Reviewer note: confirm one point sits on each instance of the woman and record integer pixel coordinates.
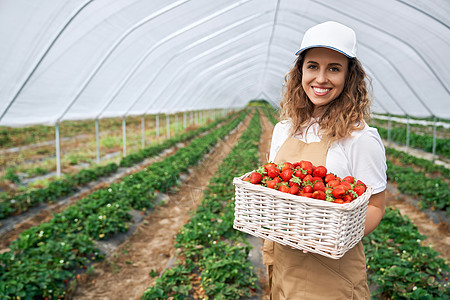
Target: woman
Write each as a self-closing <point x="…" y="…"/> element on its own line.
<point x="324" y="106"/>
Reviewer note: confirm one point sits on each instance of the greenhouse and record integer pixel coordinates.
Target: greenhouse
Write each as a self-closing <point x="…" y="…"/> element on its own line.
<point x="129" y="128"/>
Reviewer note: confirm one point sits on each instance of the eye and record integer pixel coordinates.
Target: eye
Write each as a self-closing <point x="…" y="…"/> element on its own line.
<point x="334" y="69"/>
<point x="312" y="67"/>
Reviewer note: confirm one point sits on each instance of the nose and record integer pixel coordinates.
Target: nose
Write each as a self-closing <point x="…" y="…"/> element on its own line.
<point x="322" y="77"/>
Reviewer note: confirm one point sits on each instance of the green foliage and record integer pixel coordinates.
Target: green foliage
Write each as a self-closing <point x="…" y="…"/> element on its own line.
<point x="433" y="192"/>
<point x="11" y="175"/>
<point x="399" y="265"/>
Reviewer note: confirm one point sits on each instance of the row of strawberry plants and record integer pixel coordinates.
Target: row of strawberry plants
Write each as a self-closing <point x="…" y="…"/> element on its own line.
<point x="210" y="249"/>
<point x="69" y="184"/>
<point x="433" y="193"/>
<point x="419" y="141"/>
<point x="399" y="266"/>
<point x="420" y="163"/>
<point x="43" y="260"/>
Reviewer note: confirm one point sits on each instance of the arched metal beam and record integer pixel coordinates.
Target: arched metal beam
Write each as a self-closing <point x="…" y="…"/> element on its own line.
<point x="44" y="55"/>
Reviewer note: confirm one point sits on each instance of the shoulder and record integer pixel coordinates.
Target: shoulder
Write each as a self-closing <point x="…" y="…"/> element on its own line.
<point x="281" y="131"/>
<point x="283" y="126"/>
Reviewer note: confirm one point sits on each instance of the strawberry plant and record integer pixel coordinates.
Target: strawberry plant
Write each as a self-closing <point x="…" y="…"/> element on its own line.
<point x="399" y="265"/>
<point x="433" y="192"/>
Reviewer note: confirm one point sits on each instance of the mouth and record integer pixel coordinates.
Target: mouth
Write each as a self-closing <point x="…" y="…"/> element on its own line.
<point x="320" y="91"/>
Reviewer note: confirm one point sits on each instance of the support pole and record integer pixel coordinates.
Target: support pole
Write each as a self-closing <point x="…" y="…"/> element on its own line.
<point x="143" y="131"/>
<point x="168" y="126"/>
<point x="434" y="135"/>
<point x="192" y="118"/>
<point x="184" y="120"/>
<point x="389" y="128"/>
<point x="58" y="151"/>
<point x="97" y="141"/>
<point x="157" y="125"/>
<point x="407" y="132"/>
<point x="124" y="136"/>
<point x="177" y="125"/>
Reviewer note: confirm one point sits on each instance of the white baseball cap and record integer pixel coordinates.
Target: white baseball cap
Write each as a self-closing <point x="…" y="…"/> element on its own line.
<point x="332" y="35"/>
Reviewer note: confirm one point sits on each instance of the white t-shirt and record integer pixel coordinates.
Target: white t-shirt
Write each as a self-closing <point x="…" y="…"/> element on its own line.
<point x="362" y="155"/>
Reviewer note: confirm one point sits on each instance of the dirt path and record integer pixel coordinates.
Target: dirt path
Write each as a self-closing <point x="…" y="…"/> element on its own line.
<point x="438" y="235"/>
<point x="125" y="274"/>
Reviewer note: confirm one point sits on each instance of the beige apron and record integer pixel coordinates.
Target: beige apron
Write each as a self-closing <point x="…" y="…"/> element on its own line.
<point x="297" y="275"/>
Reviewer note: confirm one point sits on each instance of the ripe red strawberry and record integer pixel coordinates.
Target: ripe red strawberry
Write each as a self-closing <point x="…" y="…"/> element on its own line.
<point x="273" y="171"/>
<point x="319" y="186"/>
<point x="319" y="195"/>
<point x="338" y="191"/>
<point x="291" y="183"/>
<point x="286" y="166"/>
<point x="268" y="165"/>
<point x="329" y="177"/>
<point x="277" y="179"/>
<point x="271" y="184"/>
<point x="320" y="171"/>
<point x="283" y="188"/>
<point x="346" y="185"/>
<point x="359" y="190"/>
<point x="309" y="195"/>
<point x="315" y="179"/>
<point x="340" y="201"/>
<point x="246" y="179"/>
<point x="255" y="177"/>
<point x="359" y="182"/>
<point x="307" y="189"/>
<point x="333" y="183"/>
<point x="307" y="166"/>
<point x="308" y="178"/>
<point x="299" y="173"/>
<point x="294" y="190"/>
<point x="286" y="175"/>
<point x="349" y="179"/>
<point x="347" y="198"/>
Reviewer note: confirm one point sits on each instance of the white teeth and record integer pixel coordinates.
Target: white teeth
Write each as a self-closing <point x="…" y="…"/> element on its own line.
<point x="320" y="90"/>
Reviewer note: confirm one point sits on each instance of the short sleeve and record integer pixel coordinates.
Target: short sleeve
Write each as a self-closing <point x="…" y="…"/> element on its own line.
<point x="367" y="159"/>
<point x="279" y="135"/>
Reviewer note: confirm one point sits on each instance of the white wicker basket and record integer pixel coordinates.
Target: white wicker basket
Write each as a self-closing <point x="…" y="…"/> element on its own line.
<point x="317" y="226"/>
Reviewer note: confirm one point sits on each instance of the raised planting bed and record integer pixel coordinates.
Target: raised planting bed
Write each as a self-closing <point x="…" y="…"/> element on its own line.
<point x="44" y="260"/>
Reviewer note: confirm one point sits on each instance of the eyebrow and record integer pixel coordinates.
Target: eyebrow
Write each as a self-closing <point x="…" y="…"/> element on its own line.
<point x="332" y="64"/>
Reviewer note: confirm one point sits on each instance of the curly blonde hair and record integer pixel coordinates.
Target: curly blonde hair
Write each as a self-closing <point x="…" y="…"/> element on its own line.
<point x="342" y="116"/>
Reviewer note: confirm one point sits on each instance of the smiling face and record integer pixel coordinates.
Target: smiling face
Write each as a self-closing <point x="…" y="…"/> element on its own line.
<point x="323" y="75"/>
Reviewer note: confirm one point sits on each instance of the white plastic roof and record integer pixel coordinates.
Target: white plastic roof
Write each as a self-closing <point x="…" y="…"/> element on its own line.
<point x="79" y="59"/>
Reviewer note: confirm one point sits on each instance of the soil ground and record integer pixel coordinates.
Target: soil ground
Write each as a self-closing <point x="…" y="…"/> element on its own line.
<point x="125" y="274"/>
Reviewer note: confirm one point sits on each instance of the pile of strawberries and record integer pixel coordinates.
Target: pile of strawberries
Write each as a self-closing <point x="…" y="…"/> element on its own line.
<point x="304" y="179"/>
